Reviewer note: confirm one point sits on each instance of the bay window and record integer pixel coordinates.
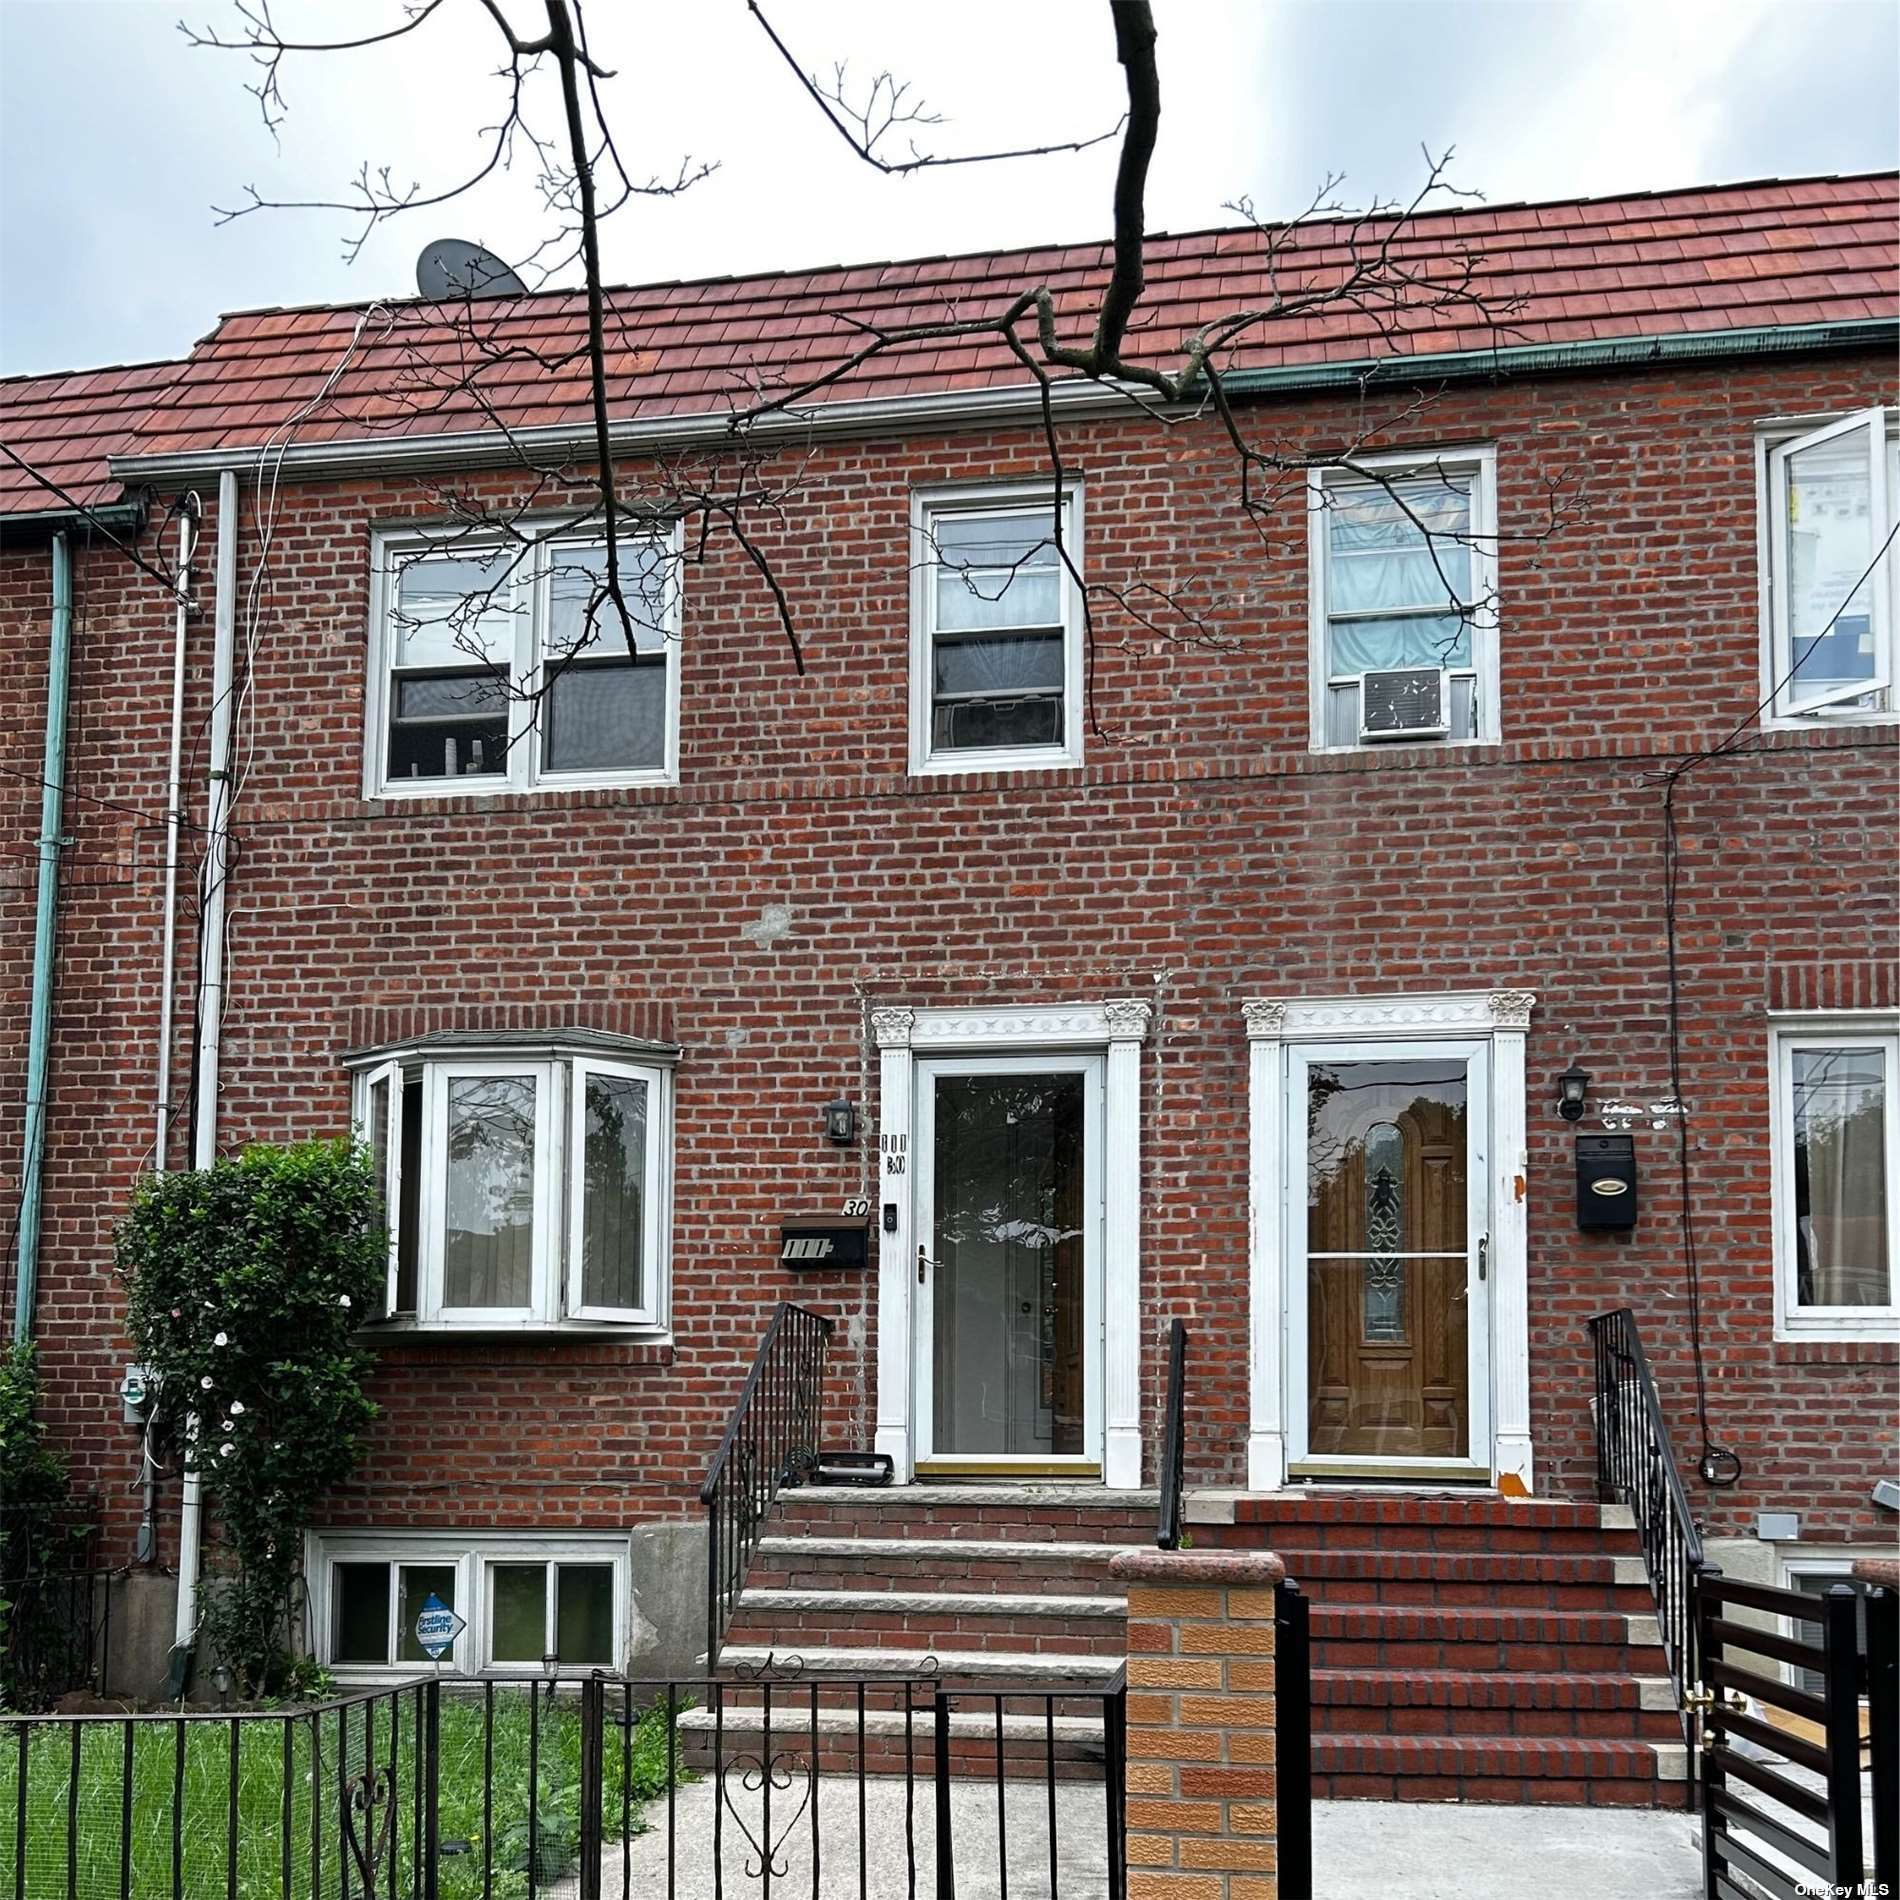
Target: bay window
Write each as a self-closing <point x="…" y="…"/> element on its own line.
<point x="1831" y="585"/>
<point x="508" y="667"/>
<point x="525" y="1185"/>
<point x="1836" y="1174"/>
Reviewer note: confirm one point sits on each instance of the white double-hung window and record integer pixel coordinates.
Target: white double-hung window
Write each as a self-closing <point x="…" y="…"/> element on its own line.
<point x="1402" y="555"/>
<point x="996" y="630"/>
<point x="509" y="667"/>
<point x="1830" y="579"/>
<point x="1836" y="1176"/>
<point x="526" y="1185"/>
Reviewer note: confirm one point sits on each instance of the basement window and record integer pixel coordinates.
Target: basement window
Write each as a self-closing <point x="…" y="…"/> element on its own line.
<point x="996" y="619"/>
<point x="1403" y="581"/>
<point x="1830" y="581"/>
<point x="527" y="1185"/>
<point x="1835" y="1174"/>
<point x="523" y="1598"/>
<point x="505" y="668"/>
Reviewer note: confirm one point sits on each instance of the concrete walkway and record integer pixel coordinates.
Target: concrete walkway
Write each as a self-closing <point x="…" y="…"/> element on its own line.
<point x="1362" y="1850"/>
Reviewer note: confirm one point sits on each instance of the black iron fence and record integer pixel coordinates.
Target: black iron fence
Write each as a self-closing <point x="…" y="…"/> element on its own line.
<point x="454" y="1790"/>
<point x="1794" y="1804"/>
<point x="55" y="1607"/>
<point x="1293" y="1740"/>
<point x="1173" y="1440"/>
<point x="1636" y="1465"/>
<point x="771" y="1440"/>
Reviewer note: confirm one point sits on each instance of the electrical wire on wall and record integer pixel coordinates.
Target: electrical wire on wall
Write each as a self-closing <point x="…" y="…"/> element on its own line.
<point x="1718" y="1465"/>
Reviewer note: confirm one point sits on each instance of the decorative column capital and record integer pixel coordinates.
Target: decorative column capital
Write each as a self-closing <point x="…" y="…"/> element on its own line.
<point x="891" y="1027"/>
<point x="1265" y="1017"/>
<point x="1511" y="1009"/>
<point x="1128" y="1018"/>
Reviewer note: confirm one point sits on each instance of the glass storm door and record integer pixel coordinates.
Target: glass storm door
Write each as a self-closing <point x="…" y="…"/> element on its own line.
<point x="1388" y="1327"/>
<point x="1008" y="1294"/>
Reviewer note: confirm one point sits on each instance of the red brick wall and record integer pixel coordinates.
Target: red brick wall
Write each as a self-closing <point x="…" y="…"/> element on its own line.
<point x="1201" y="856"/>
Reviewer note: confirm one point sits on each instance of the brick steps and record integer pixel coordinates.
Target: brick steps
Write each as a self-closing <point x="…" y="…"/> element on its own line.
<point x="1469" y="1579"/>
<point x="1357" y="1636"/>
<point x="966" y="1565"/>
<point x="1455" y="1702"/>
<point x="1567" y="1773"/>
<point x="1465" y="1646"/>
<point x="933" y="1620"/>
<point x="1289" y="1522"/>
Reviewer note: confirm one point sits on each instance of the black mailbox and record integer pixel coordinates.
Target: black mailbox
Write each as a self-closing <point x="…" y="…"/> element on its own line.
<point x="1606" y="1181"/>
<point x="823" y="1241"/>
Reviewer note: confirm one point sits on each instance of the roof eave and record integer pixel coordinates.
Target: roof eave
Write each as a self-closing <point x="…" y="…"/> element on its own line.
<point x="42" y="524"/>
<point x="979" y="408"/>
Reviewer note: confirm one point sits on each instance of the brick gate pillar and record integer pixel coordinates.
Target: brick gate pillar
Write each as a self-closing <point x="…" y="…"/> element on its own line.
<point x="1201" y="1788"/>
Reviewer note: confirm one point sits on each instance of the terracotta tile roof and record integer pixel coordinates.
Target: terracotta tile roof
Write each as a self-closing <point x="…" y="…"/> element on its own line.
<point x="1734" y="257"/>
<point x="65" y="426"/>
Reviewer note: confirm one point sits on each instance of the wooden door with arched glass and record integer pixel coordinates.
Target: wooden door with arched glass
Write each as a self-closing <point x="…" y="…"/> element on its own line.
<point x="1386" y="1216"/>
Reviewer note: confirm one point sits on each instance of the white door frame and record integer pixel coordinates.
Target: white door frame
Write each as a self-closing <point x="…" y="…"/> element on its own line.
<point x="1116" y="1029"/>
<point x="1474" y="1055"/>
<point x="1499" y="1018"/>
<point x="1089" y="1065"/>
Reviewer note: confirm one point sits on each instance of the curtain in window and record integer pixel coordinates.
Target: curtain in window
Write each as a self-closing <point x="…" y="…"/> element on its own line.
<point x="1386" y="556"/>
<point x="996" y="571"/>
<point x="1840" y="1177"/>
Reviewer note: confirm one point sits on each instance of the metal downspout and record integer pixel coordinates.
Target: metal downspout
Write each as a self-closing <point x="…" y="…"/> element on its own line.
<point x="210" y="1010"/>
<point x="45" y="937"/>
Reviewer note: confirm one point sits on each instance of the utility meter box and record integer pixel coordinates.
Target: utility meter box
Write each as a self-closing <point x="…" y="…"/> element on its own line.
<point x="1606" y="1181"/>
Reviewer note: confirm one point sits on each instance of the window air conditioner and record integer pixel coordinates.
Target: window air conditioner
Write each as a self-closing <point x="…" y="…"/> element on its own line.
<point x="1411" y="702"/>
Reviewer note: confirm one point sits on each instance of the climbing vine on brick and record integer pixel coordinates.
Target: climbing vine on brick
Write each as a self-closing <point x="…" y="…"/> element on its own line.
<point x="247" y="1283"/>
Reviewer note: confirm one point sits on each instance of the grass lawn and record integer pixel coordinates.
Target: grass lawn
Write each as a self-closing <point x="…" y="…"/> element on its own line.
<point x="269" y="1773"/>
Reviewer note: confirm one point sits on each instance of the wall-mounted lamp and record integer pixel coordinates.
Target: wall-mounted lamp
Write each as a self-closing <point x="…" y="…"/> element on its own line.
<point x="1572" y="1086"/>
<point x="841" y="1122"/>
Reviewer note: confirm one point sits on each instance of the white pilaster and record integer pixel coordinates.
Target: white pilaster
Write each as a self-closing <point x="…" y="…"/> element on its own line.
<point x="1266" y="1231"/>
<point x="1510" y="1248"/>
<point x="896" y="1106"/>
<point x="1121" y="1243"/>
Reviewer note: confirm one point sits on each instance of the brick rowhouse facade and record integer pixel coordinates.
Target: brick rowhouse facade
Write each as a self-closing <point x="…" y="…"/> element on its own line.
<point x="799" y="876"/>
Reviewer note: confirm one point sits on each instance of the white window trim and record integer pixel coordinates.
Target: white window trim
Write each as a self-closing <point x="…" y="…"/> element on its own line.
<point x="1481" y="460"/>
<point x="926" y="503"/>
<point x="1770" y="436"/>
<point x="471" y="1552"/>
<point x="1117" y="1027"/>
<point x="1837" y="1029"/>
<point x="559" y="1070"/>
<point x="524" y="773"/>
<point x="659" y="1144"/>
<point x="1501" y="1017"/>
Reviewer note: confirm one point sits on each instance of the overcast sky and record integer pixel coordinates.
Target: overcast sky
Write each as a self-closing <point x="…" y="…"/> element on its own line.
<point x="117" y="138"/>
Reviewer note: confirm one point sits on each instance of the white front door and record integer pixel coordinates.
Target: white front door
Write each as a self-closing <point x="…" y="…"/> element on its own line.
<point x="1387" y="1208"/>
<point x="1007" y="1252"/>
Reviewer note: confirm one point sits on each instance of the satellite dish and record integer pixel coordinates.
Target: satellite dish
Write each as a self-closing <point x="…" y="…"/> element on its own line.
<point x="453" y="267"/>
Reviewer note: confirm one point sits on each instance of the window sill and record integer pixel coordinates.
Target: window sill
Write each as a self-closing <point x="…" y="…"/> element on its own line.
<point x="642" y="1345"/>
<point x="1809" y="722"/>
<point x="1003" y="759"/>
<point x="425" y="791"/>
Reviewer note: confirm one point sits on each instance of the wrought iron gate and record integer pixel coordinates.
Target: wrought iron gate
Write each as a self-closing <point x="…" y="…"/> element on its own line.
<point x="1790" y="1794"/>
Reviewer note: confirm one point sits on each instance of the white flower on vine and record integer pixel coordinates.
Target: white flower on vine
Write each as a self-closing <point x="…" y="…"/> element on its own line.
<point x="222" y="1339"/>
<point x="224" y="1451"/>
<point x="228" y="1426"/>
<point x="343" y="1299"/>
<point x="237" y="1408"/>
<point x="204" y="1384"/>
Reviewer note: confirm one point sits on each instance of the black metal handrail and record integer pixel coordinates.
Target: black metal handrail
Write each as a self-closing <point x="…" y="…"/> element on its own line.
<point x="771" y="1440"/>
<point x="1168" y="1527"/>
<point x="1636" y="1465"/>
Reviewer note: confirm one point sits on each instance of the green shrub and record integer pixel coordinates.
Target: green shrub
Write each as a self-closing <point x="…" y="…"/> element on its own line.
<point x="37" y="1532"/>
<point x="246" y="1283"/>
